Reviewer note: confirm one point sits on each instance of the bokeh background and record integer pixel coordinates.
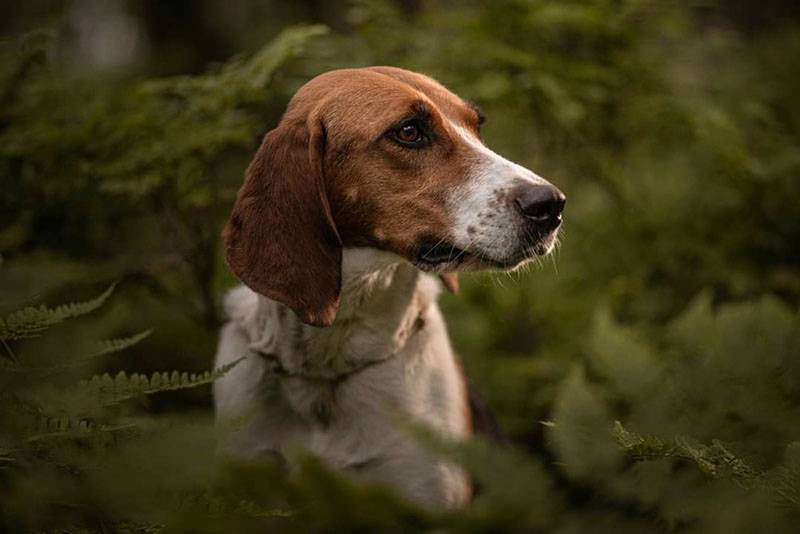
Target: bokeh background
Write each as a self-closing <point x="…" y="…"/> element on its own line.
<point x="671" y="306"/>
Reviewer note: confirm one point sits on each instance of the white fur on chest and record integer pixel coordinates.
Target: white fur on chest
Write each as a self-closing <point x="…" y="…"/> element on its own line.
<point x="337" y="392"/>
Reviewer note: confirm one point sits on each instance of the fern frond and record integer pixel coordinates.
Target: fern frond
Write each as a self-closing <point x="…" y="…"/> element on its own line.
<point x="120" y="527"/>
<point x="215" y="506"/>
<point x="786" y="479"/>
<point x="105" y="347"/>
<point x="45" y="429"/>
<point x="100" y="348"/>
<point x="289" y="43"/>
<point x="640" y="447"/>
<point x="248" y="74"/>
<point x="713" y="460"/>
<point x="110" y="346"/>
<point x="66" y="427"/>
<point x="108" y="390"/>
<point x="31" y="321"/>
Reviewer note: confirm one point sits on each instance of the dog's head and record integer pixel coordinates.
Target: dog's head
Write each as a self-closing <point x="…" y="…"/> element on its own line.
<point x="385" y="158"/>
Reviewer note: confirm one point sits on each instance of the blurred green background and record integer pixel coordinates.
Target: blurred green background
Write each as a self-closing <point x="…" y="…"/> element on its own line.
<point x="671" y="306"/>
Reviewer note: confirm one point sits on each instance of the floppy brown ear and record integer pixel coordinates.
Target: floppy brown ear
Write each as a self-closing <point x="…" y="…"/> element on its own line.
<point x="281" y="240"/>
<point x="450" y="281"/>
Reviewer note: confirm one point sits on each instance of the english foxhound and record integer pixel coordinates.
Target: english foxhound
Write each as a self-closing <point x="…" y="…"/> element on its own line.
<point x="373" y="180"/>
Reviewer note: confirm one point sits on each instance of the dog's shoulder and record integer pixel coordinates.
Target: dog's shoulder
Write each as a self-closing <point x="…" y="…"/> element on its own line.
<point x="241" y="305"/>
<point x="256" y="317"/>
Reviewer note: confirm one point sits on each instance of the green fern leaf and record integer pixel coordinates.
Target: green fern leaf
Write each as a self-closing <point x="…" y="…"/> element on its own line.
<point x="33" y="320"/>
<point x="108" y="390"/>
<point x="41" y="429"/>
<point x="715" y="460"/>
<point x="785" y="480"/>
<point x="101" y="348"/>
<point x="66" y="428"/>
<point x="289" y="43"/>
<point x="110" y="346"/>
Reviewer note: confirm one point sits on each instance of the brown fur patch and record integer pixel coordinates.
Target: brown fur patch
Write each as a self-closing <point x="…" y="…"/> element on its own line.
<point x="328" y="176"/>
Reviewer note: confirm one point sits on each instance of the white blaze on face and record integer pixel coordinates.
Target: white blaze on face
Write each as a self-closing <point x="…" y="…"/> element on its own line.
<point x="486" y="220"/>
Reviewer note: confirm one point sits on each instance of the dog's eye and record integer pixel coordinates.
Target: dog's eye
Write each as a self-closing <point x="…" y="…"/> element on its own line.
<point x="410" y="134"/>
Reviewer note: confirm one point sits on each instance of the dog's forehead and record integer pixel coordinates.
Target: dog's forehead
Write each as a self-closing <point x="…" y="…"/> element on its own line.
<point x="445" y="99"/>
<point x="377" y="91"/>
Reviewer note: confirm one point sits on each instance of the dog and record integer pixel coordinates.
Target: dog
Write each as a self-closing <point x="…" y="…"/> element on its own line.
<point x="374" y="181"/>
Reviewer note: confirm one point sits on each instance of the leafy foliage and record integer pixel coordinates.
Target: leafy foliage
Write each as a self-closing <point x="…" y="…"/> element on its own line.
<point x="716" y="461"/>
<point x="672" y="307"/>
<point x="107" y="390"/>
<point x="153" y="155"/>
<point x="49" y="429"/>
<point x="713" y="460"/>
<point x="704" y="375"/>
<point x="31" y="321"/>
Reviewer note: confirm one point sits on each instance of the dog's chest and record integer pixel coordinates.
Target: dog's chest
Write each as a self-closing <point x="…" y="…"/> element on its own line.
<point x="342" y="392"/>
<point x="356" y="422"/>
<point x="326" y="374"/>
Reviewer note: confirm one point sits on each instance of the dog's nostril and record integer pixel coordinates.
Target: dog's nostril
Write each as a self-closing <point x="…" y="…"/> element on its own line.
<point x="541" y="204"/>
<point x="540" y="211"/>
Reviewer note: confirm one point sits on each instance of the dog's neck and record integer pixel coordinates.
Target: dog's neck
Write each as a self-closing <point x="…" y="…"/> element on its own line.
<point x="372" y="280"/>
<point x="382" y="301"/>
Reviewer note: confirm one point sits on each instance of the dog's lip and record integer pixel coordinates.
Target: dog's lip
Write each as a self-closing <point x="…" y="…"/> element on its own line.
<point x="432" y="254"/>
<point x="435" y="255"/>
<point x="439" y="252"/>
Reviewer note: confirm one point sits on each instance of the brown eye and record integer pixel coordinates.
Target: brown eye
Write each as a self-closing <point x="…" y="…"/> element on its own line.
<point x="410" y="135"/>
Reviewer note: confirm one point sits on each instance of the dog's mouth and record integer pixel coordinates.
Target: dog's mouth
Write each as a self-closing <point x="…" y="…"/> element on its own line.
<point x="441" y="255"/>
<point x="435" y="254"/>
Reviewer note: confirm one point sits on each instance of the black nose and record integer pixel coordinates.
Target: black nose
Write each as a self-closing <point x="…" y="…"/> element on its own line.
<point x="541" y="204"/>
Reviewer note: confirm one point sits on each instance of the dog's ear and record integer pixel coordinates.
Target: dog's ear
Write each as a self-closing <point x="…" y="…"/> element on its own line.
<point x="281" y="240"/>
<point x="450" y="281"/>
